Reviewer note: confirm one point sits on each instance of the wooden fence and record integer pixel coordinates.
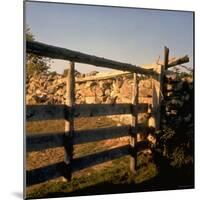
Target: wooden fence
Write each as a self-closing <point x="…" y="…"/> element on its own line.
<point x="70" y="111"/>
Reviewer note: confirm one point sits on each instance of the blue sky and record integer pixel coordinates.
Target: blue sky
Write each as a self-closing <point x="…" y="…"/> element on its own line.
<point x="136" y="36"/>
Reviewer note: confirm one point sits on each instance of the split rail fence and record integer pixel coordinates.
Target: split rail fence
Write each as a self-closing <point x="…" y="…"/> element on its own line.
<point x="69" y="111"/>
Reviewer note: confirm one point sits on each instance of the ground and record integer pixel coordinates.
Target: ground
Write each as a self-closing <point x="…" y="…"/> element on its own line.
<point x="114" y="174"/>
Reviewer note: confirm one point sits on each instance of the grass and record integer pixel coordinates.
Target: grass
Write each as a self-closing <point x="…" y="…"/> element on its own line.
<point x="117" y="172"/>
<point x="113" y="173"/>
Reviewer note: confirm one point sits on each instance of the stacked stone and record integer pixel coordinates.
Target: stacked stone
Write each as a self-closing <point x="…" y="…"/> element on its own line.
<point x="178" y="105"/>
<point x="51" y="89"/>
<point x="45" y="89"/>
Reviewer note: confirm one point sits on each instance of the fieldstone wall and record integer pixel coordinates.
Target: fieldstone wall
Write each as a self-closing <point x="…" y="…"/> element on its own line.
<point x="178" y="103"/>
<point x="51" y="89"/>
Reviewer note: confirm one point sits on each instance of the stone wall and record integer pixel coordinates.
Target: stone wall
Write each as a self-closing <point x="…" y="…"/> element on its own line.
<point x="178" y="103"/>
<point x="51" y="89"/>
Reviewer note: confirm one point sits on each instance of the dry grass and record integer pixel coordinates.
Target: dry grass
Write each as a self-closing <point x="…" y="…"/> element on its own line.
<point x="111" y="171"/>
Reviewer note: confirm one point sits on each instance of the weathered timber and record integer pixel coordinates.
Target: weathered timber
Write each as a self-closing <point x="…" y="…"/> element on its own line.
<point x="94" y="135"/>
<point x="53" y="112"/>
<point x="43" y="174"/>
<point x="179" y="61"/>
<point x="91" y="110"/>
<point x="156" y="98"/>
<point x="38" y="142"/>
<point x="45" y="50"/>
<point x="166" y="57"/>
<point x="97" y="78"/>
<point x="46" y="112"/>
<point x="133" y="137"/>
<point x="97" y="158"/>
<point x="69" y="124"/>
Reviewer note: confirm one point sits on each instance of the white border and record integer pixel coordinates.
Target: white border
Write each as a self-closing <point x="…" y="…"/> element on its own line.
<point x="11" y="97"/>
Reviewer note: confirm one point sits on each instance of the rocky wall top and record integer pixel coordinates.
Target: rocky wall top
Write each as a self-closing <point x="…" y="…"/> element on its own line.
<point x="51" y="89"/>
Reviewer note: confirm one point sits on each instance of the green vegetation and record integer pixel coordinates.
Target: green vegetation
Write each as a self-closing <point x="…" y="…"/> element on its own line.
<point x="116" y="172"/>
<point x="35" y="64"/>
<point x="177" y="135"/>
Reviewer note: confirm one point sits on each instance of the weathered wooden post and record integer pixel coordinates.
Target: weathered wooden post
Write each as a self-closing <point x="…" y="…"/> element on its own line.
<point x="69" y="122"/>
<point x="166" y="57"/>
<point x="133" y="138"/>
<point x="156" y="97"/>
<point x="166" y="61"/>
<point x="157" y="88"/>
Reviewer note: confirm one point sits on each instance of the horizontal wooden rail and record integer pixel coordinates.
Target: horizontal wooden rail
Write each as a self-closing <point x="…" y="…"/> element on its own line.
<point x="46" y="173"/>
<point x="46" y="112"/>
<point x="141" y="127"/>
<point x="38" y="142"/>
<point x="99" y="134"/>
<point x="52" y="112"/>
<point x="102" y="77"/>
<point x="56" y="170"/>
<point x="178" y="61"/>
<point x="42" y="49"/>
<point x="97" y="158"/>
<point x="91" y="110"/>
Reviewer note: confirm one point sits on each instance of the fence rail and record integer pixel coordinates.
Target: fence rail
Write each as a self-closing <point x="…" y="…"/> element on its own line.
<point x="102" y="77"/>
<point x="56" y="170"/>
<point x="45" y="173"/>
<point x="53" y="112"/>
<point x="100" y="157"/>
<point x="69" y="137"/>
<point x="74" y="56"/>
<point x="46" y="112"/>
<point x="38" y="142"/>
<point x="94" y="135"/>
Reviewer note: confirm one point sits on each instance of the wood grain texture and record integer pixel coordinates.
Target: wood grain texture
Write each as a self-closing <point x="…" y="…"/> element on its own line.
<point x="104" y="77"/>
<point x="69" y="123"/>
<point x="156" y="97"/>
<point x="179" y="61"/>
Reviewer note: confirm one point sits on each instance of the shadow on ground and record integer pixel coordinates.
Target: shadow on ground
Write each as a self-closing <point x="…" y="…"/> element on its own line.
<point x="168" y="178"/>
